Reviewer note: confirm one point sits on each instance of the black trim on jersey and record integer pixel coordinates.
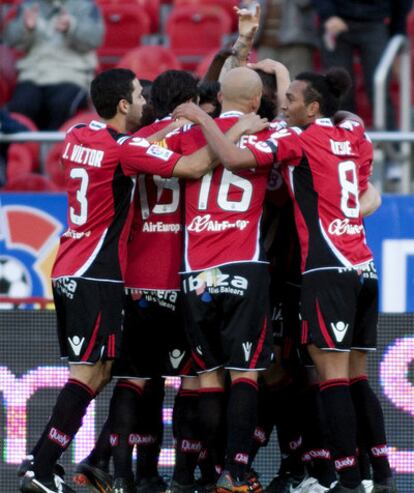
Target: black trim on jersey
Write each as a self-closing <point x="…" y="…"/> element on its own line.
<point x="116" y="135"/>
<point x="319" y="253"/>
<point x="122" y="186"/>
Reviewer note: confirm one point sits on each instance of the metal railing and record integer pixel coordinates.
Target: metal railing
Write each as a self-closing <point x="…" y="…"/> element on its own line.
<point x="378" y="137"/>
<point x="398" y="45"/>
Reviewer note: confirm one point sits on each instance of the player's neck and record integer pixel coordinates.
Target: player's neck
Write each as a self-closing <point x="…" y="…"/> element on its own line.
<point x="118" y="123"/>
<point x="233" y="107"/>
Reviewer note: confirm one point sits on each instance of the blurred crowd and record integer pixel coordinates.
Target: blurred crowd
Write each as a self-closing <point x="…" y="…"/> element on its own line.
<point x="51" y="50"/>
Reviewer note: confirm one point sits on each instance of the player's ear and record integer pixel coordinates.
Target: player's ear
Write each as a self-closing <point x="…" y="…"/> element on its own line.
<point x="220" y="97"/>
<point x="123" y="106"/>
<point x="313" y="109"/>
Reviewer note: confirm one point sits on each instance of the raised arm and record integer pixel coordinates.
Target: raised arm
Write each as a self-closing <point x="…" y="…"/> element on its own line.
<point x="247" y="27"/>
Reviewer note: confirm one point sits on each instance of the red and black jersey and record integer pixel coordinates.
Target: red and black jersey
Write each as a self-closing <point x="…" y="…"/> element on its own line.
<point x="223" y="209"/>
<point x="321" y="165"/>
<point x="99" y="164"/>
<point x="155" y="242"/>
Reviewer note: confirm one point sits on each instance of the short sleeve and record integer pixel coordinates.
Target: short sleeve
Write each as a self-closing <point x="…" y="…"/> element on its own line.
<point x="365" y="163"/>
<point x="137" y="155"/>
<point x="282" y="147"/>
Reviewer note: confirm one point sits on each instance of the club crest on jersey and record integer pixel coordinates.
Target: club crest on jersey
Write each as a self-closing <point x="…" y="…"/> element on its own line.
<point x="215" y="282"/>
<point x="339" y="329"/>
<point x="204" y="223"/>
<point x="159" y="152"/>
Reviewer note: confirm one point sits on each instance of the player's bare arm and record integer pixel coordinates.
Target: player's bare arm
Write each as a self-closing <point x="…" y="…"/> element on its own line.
<point x="369" y="201"/>
<point x="230" y="156"/>
<point x="204" y="160"/>
<point x="280" y="72"/>
<point x="248" y="25"/>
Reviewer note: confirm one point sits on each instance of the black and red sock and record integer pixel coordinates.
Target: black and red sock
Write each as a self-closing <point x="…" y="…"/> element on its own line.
<point x="70" y="408"/>
<point x="340" y="415"/>
<point x="370" y="420"/>
<point x="124" y="412"/>
<point x="241" y="423"/>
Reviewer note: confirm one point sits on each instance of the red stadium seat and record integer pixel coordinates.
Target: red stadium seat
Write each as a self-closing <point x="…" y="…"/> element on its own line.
<point x="32" y="147"/>
<point x="125" y="26"/>
<point x="194" y="31"/>
<point x="227" y="5"/>
<point x="53" y="166"/>
<point x="149" y="61"/>
<point x="30" y="182"/>
<point x="19" y="162"/>
<point x="152" y="7"/>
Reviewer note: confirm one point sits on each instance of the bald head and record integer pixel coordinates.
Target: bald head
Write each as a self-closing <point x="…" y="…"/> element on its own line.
<point x="241" y="86"/>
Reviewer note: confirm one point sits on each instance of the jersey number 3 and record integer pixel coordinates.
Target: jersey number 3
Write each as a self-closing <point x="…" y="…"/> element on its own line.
<point x="81" y="217"/>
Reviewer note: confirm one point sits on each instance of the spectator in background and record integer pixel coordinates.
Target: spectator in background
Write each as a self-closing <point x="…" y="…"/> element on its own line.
<point x="362" y="25"/>
<point x="287" y="32"/>
<point x="58" y="38"/>
<point x="8" y="125"/>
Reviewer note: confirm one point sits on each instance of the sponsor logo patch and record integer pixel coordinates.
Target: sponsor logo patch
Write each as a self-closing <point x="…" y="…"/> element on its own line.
<point x="59" y="437"/>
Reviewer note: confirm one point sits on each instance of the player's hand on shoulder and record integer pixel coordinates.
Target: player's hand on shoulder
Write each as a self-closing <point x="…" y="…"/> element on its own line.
<point x="251" y="123"/>
<point x="190" y="112"/>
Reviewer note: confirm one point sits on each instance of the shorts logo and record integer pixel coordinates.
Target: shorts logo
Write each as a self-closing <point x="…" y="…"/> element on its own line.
<point x="66" y="286"/>
<point x="215" y="282"/>
<point x="277" y="313"/>
<point x="247" y="348"/>
<point x="114" y="439"/>
<point x="58" y="437"/>
<point x="199" y="350"/>
<point x="176" y="356"/>
<point x="339" y="330"/>
<point x="76" y="344"/>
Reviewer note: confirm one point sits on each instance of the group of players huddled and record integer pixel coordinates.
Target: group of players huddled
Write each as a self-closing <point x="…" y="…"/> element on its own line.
<point x="230" y="252"/>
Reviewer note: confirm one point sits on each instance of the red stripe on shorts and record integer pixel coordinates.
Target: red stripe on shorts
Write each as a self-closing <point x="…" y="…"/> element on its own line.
<point x="91" y="344"/>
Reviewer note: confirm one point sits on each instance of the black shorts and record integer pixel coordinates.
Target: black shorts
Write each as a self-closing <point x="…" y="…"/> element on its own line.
<point x="227" y="317"/>
<point x="340" y="309"/>
<point x="154" y="342"/>
<point x="89" y="318"/>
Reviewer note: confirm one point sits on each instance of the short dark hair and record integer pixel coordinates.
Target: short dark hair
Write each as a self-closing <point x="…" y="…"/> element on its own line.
<point x="109" y="87"/>
<point x="208" y="91"/>
<point x="269" y="103"/>
<point x="170" y="89"/>
<point x="328" y="90"/>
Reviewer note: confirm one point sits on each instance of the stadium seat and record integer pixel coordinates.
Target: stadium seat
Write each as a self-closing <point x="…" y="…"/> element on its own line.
<point x="227" y="5"/>
<point x="53" y="166"/>
<point x="19" y="162"/>
<point x="152" y="7"/>
<point x="30" y="182"/>
<point x="8" y="73"/>
<point x="124" y="28"/>
<point x="32" y="147"/>
<point x="194" y="31"/>
<point x="149" y="61"/>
